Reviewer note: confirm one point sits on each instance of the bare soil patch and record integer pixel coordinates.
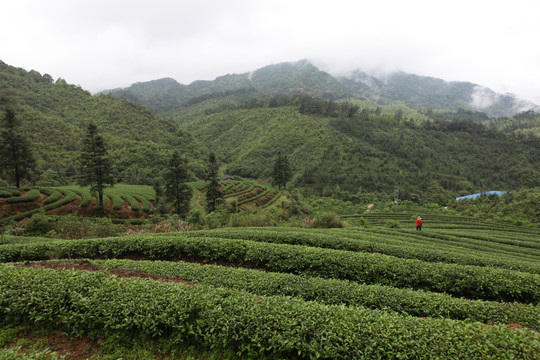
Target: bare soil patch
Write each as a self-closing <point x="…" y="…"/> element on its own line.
<point x="118" y="272"/>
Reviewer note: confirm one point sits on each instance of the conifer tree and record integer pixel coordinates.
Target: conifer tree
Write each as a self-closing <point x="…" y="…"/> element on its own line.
<point x="96" y="169"/>
<point x="176" y="190"/>
<point x="281" y="173"/>
<point x="16" y="158"/>
<point x="213" y="195"/>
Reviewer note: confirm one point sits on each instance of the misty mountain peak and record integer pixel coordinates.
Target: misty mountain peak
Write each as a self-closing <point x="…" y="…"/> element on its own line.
<point x="302" y="77"/>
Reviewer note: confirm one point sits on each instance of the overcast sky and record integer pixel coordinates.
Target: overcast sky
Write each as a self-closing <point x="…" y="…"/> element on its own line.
<point x="107" y="44"/>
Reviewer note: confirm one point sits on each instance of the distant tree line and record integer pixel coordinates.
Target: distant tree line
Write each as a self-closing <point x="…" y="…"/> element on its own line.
<point x="460" y="114"/>
<point x="311" y="105"/>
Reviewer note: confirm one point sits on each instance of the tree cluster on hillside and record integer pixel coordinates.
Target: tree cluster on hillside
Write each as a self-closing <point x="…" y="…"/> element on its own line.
<point x="311" y="105"/>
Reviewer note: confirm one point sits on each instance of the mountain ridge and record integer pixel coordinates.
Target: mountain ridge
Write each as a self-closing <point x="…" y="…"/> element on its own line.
<point x="302" y="77"/>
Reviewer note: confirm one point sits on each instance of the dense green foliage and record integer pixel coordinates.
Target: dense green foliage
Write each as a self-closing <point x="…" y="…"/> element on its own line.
<point x="213" y="194"/>
<point x="527" y="122"/>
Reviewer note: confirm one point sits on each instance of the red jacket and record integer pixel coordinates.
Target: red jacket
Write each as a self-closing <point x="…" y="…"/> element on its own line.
<point x="418" y="222"/>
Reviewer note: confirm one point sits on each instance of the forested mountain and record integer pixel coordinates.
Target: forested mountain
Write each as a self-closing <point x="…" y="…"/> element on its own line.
<point x="288" y="78"/>
<point x="54" y="115"/>
<point x="417" y="92"/>
<point x="356" y="147"/>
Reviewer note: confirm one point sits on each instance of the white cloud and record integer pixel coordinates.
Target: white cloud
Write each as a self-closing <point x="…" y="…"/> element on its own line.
<point x="483" y="98"/>
<point x="103" y="44"/>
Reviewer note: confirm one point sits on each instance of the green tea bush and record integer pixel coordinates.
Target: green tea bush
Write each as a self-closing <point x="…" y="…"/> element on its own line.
<point x="30" y="196"/>
<point x="432" y="246"/>
<point x="328" y="220"/>
<point x="273" y="200"/>
<point x="258" y="196"/>
<point x="249" y="326"/>
<point x="39" y="225"/>
<point x="392" y="224"/>
<point x="53" y="195"/>
<point x="146" y="206"/>
<point x="133" y="203"/>
<point x="116" y="199"/>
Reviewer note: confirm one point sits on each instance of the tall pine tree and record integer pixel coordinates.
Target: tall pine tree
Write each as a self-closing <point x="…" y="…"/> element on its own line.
<point x="176" y="190"/>
<point x="16" y="159"/>
<point x="96" y="169"/>
<point x="281" y="173"/>
<point x="213" y="195"/>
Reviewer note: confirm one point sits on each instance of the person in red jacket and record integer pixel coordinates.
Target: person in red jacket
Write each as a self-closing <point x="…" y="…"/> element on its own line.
<point x="419" y="223"/>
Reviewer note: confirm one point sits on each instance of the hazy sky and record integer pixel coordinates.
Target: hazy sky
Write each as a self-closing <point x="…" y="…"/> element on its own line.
<point x="107" y="44"/>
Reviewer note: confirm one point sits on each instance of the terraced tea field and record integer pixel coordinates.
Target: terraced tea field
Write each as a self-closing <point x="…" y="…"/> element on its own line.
<point x="456" y="290"/>
<point x="123" y="203"/>
<point x="246" y="194"/>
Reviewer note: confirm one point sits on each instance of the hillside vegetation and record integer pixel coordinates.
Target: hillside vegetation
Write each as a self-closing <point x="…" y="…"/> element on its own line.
<point x="54" y="115"/>
<point x="337" y="147"/>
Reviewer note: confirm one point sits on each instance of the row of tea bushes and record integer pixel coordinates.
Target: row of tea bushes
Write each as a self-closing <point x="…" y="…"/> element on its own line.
<point x="335" y="292"/>
<point x="472" y="282"/>
<point x="241" y="324"/>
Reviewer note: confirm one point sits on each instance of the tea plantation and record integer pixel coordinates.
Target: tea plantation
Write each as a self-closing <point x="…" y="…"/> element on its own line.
<point x="458" y="289"/>
<point x="123" y="203"/>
